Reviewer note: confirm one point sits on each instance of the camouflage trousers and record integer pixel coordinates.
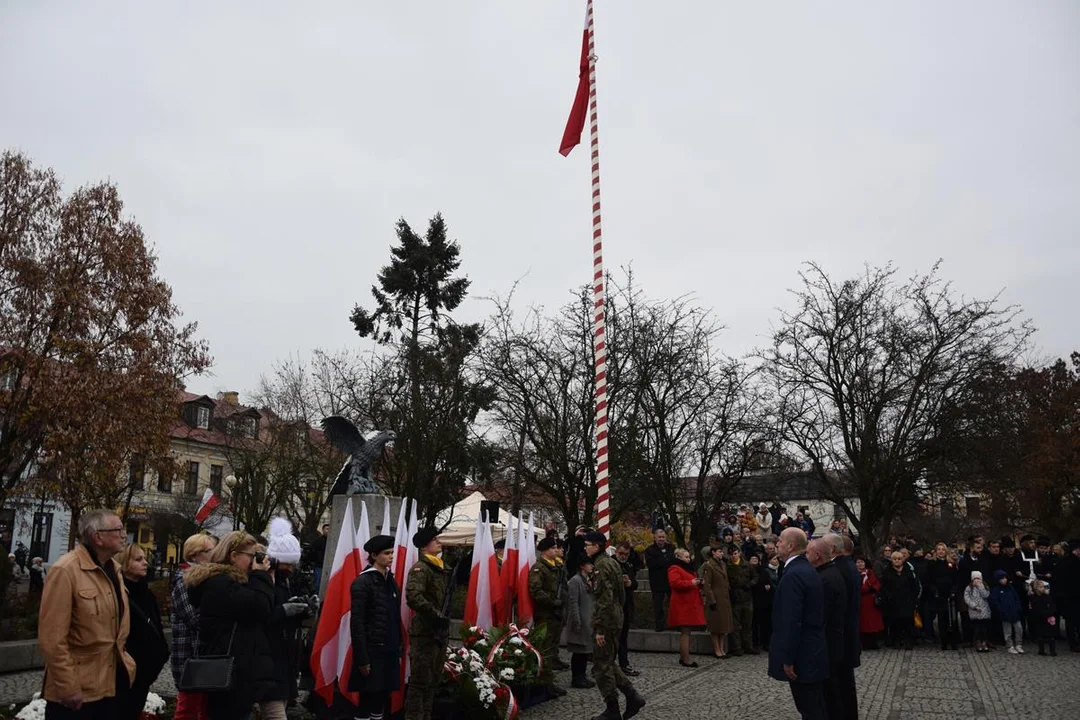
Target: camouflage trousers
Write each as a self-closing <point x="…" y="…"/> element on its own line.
<point x="742" y="639"/>
<point x="605" y="669"/>
<point x="426" y="658"/>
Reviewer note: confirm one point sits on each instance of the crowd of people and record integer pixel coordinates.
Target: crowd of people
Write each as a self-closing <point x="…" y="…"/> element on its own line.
<point x="763" y="583"/>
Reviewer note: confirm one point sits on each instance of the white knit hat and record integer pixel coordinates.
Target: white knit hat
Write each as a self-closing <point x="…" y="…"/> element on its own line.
<point x="283" y="545"/>
<point x="976" y="574"/>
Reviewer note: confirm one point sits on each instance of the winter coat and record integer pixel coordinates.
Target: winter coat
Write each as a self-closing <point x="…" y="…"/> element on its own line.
<point x="977" y="599"/>
<point x="1067" y="581"/>
<point x="375" y="628"/>
<point x="184" y="623"/>
<point x="685" y="607"/>
<point x="776" y="510"/>
<point x="940" y="579"/>
<point x="869" y="614"/>
<point x="835" y="589"/>
<point x="1043" y="608"/>
<point x="579" y="612"/>
<point x="629" y="569"/>
<point x="545" y="589"/>
<point x="234" y="609"/>
<point x="425" y="593"/>
<point x="284" y="635"/>
<point x="853" y="591"/>
<point x="657" y="559"/>
<point x="83" y="627"/>
<point x="1006" y="602"/>
<point x="967" y="565"/>
<point x="715" y="589"/>
<point x="901" y="591"/>
<point x="798" y="620"/>
<point x="742" y="578"/>
<point x="146" y="643"/>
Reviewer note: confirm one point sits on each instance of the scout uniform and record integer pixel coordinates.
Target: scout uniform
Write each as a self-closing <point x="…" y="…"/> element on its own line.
<point x="425" y="592"/>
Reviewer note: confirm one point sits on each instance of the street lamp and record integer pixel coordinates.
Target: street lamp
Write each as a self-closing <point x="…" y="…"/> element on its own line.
<point x="235" y="486"/>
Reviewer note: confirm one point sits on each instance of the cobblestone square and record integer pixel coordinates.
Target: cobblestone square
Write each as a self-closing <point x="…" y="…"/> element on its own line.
<point x="923" y="684"/>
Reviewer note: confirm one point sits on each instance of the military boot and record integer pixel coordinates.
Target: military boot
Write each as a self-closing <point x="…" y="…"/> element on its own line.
<point x="611" y="712"/>
<point x="634" y="701"/>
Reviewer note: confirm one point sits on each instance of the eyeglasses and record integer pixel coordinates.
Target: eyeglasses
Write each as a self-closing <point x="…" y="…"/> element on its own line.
<point x="111" y="530"/>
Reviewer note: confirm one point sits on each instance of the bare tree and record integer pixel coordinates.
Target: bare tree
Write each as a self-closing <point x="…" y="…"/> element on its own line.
<point x="862" y="370"/>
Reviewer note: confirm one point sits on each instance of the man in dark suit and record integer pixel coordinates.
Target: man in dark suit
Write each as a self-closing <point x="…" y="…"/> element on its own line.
<point x="820" y="555"/>
<point x="843" y="545"/>
<point x="797" y="652"/>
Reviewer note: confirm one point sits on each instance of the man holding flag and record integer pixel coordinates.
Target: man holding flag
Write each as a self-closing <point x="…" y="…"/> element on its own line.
<point x="425" y="593"/>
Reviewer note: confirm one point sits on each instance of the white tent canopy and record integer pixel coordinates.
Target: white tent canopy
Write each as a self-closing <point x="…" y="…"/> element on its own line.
<point x="462" y="518"/>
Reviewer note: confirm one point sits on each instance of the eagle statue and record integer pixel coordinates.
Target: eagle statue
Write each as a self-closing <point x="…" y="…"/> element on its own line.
<point x="355" y="475"/>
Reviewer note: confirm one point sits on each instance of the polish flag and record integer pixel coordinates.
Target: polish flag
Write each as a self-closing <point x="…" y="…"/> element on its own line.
<point x="209" y="502"/>
<point x="526" y="558"/>
<point x="472" y="600"/>
<point x="485" y="588"/>
<point x="332" y="651"/>
<point x="385" y="529"/>
<point x="508" y="574"/>
<point x="403" y="548"/>
<point x="363" y="534"/>
<point x="576" y="122"/>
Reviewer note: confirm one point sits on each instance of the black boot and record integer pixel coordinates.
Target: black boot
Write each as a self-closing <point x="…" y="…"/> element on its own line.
<point x="1053" y="649"/>
<point x="555" y="691"/>
<point x="634" y="701"/>
<point x="581" y="682"/>
<point x="611" y="712"/>
<point x="1042" y="650"/>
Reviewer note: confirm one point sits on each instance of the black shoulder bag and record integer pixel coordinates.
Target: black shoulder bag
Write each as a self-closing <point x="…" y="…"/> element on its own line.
<point x="212" y="673"/>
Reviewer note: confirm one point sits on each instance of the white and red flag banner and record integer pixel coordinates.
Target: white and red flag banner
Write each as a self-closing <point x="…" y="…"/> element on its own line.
<point x="526" y="558"/>
<point x="508" y="574"/>
<point x="331" y="654"/>
<point x="575" y="124"/>
<point x="404" y="557"/>
<point x="206" y="506"/>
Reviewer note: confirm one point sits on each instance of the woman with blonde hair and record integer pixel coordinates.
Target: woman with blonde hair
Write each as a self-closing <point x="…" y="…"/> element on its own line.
<point x="184" y="620"/>
<point x="146" y="642"/>
<point x="685" y="611"/>
<point x="235" y="597"/>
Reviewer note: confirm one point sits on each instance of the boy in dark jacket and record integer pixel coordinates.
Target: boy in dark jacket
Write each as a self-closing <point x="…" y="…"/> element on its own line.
<point x="1006" y="603"/>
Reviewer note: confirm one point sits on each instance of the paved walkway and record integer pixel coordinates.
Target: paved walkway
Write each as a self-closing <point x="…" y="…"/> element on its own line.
<point x="924" y="684"/>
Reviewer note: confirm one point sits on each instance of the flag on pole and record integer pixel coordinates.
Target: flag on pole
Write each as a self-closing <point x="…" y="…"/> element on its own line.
<point x="206" y="506"/>
<point x="333" y="642"/>
<point x="576" y="122"/>
<point x="472" y="607"/>
<point x="363" y="534"/>
<point x="385" y="529"/>
<point x="485" y="588"/>
<point x="490" y="581"/>
<point x="508" y="574"/>
<point x="402" y="543"/>
<point x="526" y="558"/>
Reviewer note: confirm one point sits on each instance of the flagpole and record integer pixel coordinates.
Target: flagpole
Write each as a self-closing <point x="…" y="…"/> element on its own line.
<point x="599" y="300"/>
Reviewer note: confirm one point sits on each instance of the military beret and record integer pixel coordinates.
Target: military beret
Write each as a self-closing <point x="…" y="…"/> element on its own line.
<point x="425" y="536"/>
<point x="545" y="544"/>
<point x="595" y="537"/>
<point x="377" y="544"/>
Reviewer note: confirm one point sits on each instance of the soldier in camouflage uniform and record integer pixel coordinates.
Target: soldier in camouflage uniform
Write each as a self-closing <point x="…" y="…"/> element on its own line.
<point x="425" y="592"/>
<point x="607" y="622"/>
<point x="545" y="589"/>
<point x="742" y="576"/>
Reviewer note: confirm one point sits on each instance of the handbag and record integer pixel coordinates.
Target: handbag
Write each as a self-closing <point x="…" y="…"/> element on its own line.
<point x="918" y="620"/>
<point x="211" y="673"/>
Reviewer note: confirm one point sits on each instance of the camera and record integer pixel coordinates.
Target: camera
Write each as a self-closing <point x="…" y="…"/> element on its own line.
<point x="259" y="557"/>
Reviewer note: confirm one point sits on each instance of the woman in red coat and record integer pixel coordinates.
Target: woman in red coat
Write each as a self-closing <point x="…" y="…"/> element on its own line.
<point x="685" y="610"/>
<point x="870" y="621"/>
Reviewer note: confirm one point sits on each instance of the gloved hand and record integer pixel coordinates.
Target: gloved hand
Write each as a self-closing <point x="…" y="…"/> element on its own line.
<point x="295" y="609"/>
<point x="441" y="623"/>
<point x="712" y="606"/>
<point x="558" y="603"/>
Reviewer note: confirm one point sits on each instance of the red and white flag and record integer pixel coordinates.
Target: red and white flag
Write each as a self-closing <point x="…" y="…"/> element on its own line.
<point x="485" y="588"/>
<point x="508" y="574"/>
<point x="363" y="534"/>
<point x="331" y="654"/>
<point x="576" y="122"/>
<point x="403" y="548"/>
<point x="526" y="558"/>
<point x="209" y="502"/>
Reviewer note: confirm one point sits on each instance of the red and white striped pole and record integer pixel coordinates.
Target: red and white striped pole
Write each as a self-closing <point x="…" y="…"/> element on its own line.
<point x="599" y="300"/>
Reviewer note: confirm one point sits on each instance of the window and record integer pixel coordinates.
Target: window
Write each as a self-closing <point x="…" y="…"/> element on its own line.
<point x="251" y="427"/>
<point x="202" y="417"/>
<point x="216" y="472"/>
<point x="191" y="482"/>
<point x="136" y="473"/>
<point x="144" y="535"/>
<point x="973" y="507"/>
<point x="164" y="482"/>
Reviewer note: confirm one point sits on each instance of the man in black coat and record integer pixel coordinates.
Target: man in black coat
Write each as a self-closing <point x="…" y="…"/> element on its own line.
<point x="797" y="651"/>
<point x="1068" y="593"/>
<point x="819" y="553"/>
<point x="630" y="564"/>
<point x="843" y="549"/>
<point x="658" y="557"/>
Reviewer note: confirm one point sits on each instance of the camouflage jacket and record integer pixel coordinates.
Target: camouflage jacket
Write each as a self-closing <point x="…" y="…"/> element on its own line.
<point x="425" y="591"/>
<point x="608" y="607"/>
<point x="741" y="579"/>
<point x="545" y="582"/>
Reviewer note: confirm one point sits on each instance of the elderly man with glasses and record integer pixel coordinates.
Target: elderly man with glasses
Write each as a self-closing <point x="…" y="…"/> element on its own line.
<point x="84" y="622"/>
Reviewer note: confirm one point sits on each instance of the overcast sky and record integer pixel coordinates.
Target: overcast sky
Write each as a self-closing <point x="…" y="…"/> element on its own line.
<point x="267" y="148"/>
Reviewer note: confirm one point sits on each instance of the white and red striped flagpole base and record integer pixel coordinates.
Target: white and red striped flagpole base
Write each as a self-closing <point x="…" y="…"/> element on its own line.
<point x="603" y="522"/>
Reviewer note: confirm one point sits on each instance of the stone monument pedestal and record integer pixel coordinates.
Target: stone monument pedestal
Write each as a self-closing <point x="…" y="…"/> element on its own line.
<point x="375" y="504"/>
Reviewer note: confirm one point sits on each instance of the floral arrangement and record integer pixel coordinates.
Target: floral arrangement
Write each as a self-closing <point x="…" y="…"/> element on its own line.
<point x="35" y="710"/>
<point x="512" y="655"/>
<point x="479" y="693"/>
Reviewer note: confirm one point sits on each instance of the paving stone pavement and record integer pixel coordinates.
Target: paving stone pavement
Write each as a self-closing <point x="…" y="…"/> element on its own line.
<point x="923" y="684"/>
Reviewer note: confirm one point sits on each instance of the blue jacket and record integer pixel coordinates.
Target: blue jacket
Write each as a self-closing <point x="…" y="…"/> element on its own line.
<point x="798" y="636"/>
<point x="1006" y="602"/>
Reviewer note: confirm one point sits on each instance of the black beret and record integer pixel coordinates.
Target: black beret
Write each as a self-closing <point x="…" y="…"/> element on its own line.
<point x="425" y="536"/>
<point x="545" y="544"/>
<point x="595" y="537"/>
<point x="377" y="544"/>
<point x="1007" y="542"/>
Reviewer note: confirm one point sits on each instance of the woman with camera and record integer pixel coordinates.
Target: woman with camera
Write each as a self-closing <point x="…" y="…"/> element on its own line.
<point x="235" y="596"/>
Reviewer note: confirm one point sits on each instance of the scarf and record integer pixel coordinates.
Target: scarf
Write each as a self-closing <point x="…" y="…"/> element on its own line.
<point x="434" y="560"/>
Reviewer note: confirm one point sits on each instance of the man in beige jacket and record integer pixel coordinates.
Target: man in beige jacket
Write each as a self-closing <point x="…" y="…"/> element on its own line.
<point x="83" y="624"/>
